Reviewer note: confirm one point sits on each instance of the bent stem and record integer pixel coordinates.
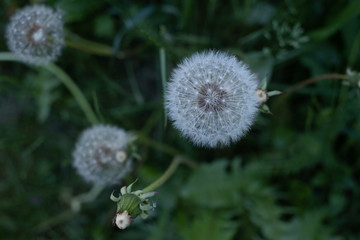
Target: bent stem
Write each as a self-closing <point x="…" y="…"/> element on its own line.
<point x="90" y="196"/>
<point x="169" y="172"/>
<point x="66" y="80"/>
<point x="316" y="79"/>
<point x="74" y="89"/>
<point x="75" y="203"/>
<point x="62" y="217"/>
<point x="157" y="145"/>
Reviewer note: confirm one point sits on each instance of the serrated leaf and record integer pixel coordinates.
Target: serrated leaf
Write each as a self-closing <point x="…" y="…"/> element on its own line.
<point x="211" y="186"/>
<point x="210" y="226"/>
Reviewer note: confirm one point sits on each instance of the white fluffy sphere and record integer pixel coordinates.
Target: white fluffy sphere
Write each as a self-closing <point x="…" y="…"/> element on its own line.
<point x="100" y="154"/>
<point x="35" y="33"/>
<point x="211" y="98"/>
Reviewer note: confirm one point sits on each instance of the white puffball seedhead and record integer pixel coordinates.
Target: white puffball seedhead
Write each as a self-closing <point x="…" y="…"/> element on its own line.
<point x="35" y="34"/>
<point x="211" y="98"/>
<point x="101" y="154"/>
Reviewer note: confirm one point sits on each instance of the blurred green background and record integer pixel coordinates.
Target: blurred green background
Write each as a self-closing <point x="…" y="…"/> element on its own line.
<point x="295" y="176"/>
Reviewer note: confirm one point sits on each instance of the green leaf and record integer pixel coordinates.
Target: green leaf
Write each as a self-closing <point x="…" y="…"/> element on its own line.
<point x="104" y="26"/>
<point x="211" y="186"/>
<point x="309" y="226"/>
<point x="210" y="225"/>
<point x="44" y="86"/>
<point x="344" y="15"/>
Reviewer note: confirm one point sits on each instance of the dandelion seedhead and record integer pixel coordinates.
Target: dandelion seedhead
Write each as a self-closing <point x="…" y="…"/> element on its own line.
<point x="211" y="98"/>
<point x="35" y="33"/>
<point x="102" y="154"/>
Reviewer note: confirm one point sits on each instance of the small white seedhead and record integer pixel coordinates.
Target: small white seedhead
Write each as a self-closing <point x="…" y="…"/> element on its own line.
<point x="35" y="34"/>
<point x="100" y="154"/>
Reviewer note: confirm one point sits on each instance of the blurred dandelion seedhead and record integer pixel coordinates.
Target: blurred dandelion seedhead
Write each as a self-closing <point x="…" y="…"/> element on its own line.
<point x="101" y="154"/>
<point x="35" y="33"/>
<point x="211" y="98"/>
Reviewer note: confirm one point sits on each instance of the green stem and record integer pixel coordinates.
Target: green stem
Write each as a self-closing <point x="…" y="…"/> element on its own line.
<point x="64" y="216"/>
<point x="74" y="89"/>
<point x="67" y="81"/>
<point x="90" y="196"/>
<point x="162" y="55"/>
<point x="75" y="203"/>
<point x="160" y="146"/>
<point x="166" y="175"/>
<point x="85" y="45"/>
<point x="8" y="56"/>
<point x="316" y="79"/>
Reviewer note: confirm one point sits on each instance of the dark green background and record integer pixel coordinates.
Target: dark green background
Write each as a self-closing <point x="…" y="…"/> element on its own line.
<point x="295" y="176"/>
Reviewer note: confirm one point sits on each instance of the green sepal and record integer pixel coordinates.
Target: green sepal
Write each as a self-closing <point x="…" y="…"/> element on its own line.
<point x="131" y="204"/>
<point x="128" y="190"/>
<point x="145" y="207"/>
<point x="113" y="198"/>
<point x="144" y="214"/>
<point x="274" y="93"/>
<point x="147" y="194"/>
<point x="123" y="190"/>
<point x="263" y="84"/>
<point x="265" y="109"/>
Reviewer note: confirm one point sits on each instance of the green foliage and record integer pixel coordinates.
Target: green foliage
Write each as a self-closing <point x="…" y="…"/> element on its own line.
<point x="220" y="193"/>
<point x="298" y="177"/>
<point x="210" y="226"/>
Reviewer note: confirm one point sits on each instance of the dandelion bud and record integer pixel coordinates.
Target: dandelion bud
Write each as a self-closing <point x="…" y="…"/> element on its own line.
<point x="131" y="204"/>
<point x="101" y="154"/>
<point x="211" y="98"/>
<point x="35" y="33"/>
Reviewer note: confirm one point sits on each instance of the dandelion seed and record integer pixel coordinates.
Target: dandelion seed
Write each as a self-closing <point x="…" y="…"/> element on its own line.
<point x="100" y="154"/>
<point x="35" y="33"/>
<point x="211" y="98"/>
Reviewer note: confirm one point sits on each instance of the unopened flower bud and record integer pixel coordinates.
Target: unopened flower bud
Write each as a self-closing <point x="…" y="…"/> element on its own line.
<point x="130" y="205"/>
